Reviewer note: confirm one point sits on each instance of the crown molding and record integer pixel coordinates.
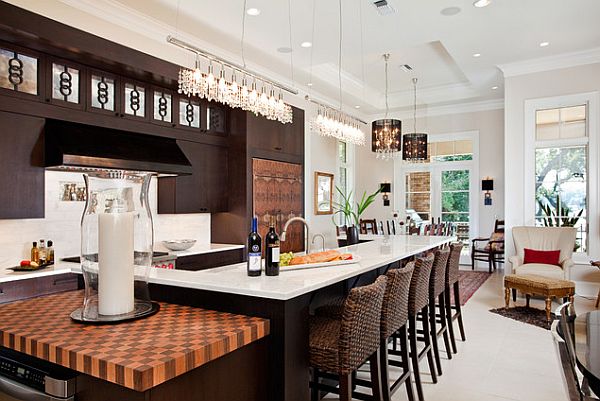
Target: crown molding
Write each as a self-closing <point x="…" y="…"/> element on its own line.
<point x="564" y="60"/>
<point x="457" y="108"/>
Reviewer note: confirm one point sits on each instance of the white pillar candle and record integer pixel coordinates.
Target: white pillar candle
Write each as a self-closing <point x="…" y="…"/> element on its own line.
<point x="115" y="263"/>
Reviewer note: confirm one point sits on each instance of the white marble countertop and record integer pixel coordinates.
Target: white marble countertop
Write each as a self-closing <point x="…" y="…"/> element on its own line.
<point x="59" y="268"/>
<point x="289" y="284"/>
<point x="198" y="249"/>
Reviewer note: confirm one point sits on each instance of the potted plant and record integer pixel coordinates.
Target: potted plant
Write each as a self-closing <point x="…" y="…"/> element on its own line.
<point x="352" y="214"/>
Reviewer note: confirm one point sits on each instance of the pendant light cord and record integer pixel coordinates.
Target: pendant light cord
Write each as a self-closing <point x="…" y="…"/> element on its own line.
<point x="415" y="105"/>
<point x="362" y="52"/>
<point x="340" y="55"/>
<point x="387" y="107"/>
<point x="243" y="33"/>
<point x="291" y="52"/>
<point x="312" y="40"/>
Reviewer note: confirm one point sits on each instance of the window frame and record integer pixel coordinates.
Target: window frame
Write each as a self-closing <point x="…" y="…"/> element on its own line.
<point x="591" y="99"/>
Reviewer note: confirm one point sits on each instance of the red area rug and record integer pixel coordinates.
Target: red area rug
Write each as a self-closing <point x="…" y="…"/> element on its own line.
<point x="469" y="282"/>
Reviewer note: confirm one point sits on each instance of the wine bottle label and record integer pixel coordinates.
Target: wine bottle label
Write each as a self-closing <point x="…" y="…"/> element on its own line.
<point x="254" y="262"/>
<point x="275" y="254"/>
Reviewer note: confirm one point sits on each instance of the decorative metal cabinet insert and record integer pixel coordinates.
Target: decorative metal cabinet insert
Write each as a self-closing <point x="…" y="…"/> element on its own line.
<point x="162" y="107"/>
<point x="18" y="72"/>
<point x="189" y="113"/>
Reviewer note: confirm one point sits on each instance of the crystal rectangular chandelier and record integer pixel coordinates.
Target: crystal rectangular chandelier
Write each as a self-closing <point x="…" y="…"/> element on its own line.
<point x="337" y="124"/>
<point x="253" y="92"/>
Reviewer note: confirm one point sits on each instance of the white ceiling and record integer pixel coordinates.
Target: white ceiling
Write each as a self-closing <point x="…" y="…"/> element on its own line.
<point x="439" y="48"/>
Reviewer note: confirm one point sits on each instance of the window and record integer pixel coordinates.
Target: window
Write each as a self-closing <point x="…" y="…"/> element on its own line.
<point x="344" y="178"/>
<point x="561" y="170"/>
<point x="418" y="194"/>
<point x="448" y="151"/>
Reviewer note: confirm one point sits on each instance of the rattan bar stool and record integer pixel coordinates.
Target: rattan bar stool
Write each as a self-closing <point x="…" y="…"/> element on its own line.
<point x="418" y="301"/>
<point x="452" y="285"/>
<point x="340" y="345"/>
<point x="437" y="282"/>
<point x="394" y="320"/>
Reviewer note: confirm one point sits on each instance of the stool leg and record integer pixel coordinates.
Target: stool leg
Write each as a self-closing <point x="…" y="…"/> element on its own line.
<point x="314" y="390"/>
<point x="414" y="355"/>
<point x="548" y="308"/>
<point x="449" y="318"/>
<point x="346" y="387"/>
<point x="405" y="362"/>
<point x="527" y="298"/>
<point x="444" y="324"/>
<point x="375" y="368"/>
<point x="433" y="335"/>
<point x="427" y="337"/>
<point x="385" y="370"/>
<point x="514" y="294"/>
<point x="459" y="311"/>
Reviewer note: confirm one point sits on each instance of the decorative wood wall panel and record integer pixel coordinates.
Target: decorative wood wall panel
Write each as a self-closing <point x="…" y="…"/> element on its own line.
<point x="278" y="191"/>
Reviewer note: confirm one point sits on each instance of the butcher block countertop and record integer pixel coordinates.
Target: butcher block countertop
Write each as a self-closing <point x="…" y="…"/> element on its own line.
<point x="138" y="355"/>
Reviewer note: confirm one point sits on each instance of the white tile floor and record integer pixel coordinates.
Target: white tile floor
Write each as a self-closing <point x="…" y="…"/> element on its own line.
<point x="502" y="359"/>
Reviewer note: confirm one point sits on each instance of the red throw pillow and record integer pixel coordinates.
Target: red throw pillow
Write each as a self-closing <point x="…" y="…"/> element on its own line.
<point x="544" y="257"/>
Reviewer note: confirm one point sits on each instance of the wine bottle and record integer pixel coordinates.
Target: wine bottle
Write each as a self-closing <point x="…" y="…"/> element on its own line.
<point x="272" y="250"/>
<point x="254" y="250"/>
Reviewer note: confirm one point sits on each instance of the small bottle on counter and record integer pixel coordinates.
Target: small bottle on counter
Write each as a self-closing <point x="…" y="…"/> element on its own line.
<point x="272" y="250"/>
<point x="35" y="253"/>
<point x="42" y="252"/>
<point x="254" y="251"/>
<point x="50" y="253"/>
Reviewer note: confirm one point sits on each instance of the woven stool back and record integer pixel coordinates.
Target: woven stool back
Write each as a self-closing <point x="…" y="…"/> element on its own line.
<point x="437" y="280"/>
<point x="418" y="295"/>
<point x="394" y="311"/>
<point x="453" y="263"/>
<point x="360" y="326"/>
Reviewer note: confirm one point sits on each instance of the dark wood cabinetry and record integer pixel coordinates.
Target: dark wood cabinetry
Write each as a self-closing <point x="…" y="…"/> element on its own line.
<point x="21" y="166"/>
<point x="209" y="260"/>
<point x="205" y="191"/>
<point x="34" y="287"/>
<point x="272" y="136"/>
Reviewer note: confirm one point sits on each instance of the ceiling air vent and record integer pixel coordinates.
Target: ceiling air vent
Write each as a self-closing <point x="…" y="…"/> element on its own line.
<point x="406" y="67"/>
<point x="383" y="7"/>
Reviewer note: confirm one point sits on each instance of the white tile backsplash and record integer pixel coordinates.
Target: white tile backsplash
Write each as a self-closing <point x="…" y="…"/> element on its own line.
<point x="62" y="224"/>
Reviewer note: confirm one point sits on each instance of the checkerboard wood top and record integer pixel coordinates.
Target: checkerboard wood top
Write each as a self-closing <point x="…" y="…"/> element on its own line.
<point x="138" y="355"/>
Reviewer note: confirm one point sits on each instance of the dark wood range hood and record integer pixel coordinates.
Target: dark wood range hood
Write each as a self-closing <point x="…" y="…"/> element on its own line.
<point x="71" y="146"/>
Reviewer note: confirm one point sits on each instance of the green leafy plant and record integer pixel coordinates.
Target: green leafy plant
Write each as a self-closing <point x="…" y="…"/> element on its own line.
<point x="346" y="208"/>
<point x="555" y="219"/>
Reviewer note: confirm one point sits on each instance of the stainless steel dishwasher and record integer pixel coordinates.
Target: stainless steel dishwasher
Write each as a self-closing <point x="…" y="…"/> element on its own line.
<point x="24" y="378"/>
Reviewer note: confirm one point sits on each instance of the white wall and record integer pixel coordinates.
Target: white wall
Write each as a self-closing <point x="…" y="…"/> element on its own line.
<point x="518" y="89"/>
<point x="62" y="224"/>
<point x="489" y="124"/>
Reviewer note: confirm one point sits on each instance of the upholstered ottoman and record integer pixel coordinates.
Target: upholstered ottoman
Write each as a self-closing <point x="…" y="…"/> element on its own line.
<point x="531" y="284"/>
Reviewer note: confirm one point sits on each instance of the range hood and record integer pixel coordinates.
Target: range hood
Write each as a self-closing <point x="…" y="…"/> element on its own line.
<point x="74" y="146"/>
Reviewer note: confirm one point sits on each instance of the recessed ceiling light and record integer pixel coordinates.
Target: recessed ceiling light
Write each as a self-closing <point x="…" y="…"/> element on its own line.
<point x="544" y="44"/>
<point x="309" y="84"/>
<point x="494" y="88"/>
<point x="482" y="3"/>
<point x="476" y="55"/>
<point x="449" y="11"/>
<point x="357" y="107"/>
<point x="306" y="44"/>
<point x="284" y="49"/>
<point x="253" y="12"/>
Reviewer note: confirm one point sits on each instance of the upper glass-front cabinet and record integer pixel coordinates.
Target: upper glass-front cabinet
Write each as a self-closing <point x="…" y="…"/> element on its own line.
<point x="134" y="100"/>
<point x="101" y="93"/>
<point x="162" y="106"/>
<point x="19" y="72"/>
<point x="64" y="80"/>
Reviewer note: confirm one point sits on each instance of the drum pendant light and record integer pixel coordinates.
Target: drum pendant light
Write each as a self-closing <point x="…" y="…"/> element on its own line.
<point x="414" y="144"/>
<point x="386" y="133"/>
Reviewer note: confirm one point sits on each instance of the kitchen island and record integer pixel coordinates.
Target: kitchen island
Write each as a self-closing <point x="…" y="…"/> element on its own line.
<point x="286" y="300"/>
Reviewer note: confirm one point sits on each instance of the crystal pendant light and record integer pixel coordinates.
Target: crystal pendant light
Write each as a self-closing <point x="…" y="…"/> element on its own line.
<point x="414" y="144"/>
<point x="386" y="133"/>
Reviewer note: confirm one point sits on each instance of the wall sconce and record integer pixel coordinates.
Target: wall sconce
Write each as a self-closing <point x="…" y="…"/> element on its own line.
<point x="386" y="188"/>
<point x="487" y="185"/>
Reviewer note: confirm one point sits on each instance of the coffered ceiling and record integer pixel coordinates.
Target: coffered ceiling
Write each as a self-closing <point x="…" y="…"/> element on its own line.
<point x="439" y="48"/>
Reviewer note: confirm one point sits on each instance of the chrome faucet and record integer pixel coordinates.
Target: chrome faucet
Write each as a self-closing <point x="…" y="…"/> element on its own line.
<point x="322" y="237"/>
<point x="287" y="223"/>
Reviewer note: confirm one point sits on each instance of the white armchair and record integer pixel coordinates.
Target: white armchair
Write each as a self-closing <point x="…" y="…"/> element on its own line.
<point x="544" y="239"/>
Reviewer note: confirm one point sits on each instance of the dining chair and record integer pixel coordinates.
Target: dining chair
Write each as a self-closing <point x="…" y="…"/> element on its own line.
<point x="368" y="226"/>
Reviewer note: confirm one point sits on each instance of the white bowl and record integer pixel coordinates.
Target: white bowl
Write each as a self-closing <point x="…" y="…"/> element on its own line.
<point x="179" y="244"/>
